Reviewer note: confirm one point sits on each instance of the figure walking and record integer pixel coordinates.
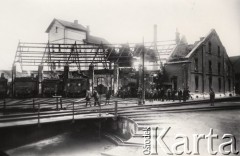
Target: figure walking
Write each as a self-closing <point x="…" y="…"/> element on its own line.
<point x="96" y="98"/>
<point x="88" y="98"/>
<point x="212" y="96"/>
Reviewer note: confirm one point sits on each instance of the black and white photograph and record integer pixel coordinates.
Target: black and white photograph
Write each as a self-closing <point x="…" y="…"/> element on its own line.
<point x="119" y="77"/>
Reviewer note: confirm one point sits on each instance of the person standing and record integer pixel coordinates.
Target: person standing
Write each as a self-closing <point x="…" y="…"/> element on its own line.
<point x="185" y="94"/>
<point x="179" y="95"/>
<point x="88" y="98"/>
<point x="162" y="94"/>
<point x="96" y="98"/>
<point x="168" y="94"/>
<point x="212" y="96"/>
<point x="108" y="96"/>
<point x="173" y="94"/>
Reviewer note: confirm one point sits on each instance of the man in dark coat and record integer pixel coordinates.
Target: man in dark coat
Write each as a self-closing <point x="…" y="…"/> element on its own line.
<point x="180" y="94"/>
<point x="212" y="96"/>
<point x="185" y="94"/>
<point x="96" y="98"/>
<point x="168" y="94"/>
<point x="162" y="93"/>
<point x="108" y="96"/>
<point x="173" y="94"/>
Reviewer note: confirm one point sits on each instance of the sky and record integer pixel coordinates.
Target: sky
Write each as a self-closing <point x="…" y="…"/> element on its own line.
<point x="119" y="21"/>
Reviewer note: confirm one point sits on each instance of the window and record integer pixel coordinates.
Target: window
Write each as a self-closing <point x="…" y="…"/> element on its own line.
<point x="219" y="51"/>
<point x="229" y="85"/>
<point x="228" y="70"/>
<point x="210" y="66"/>
<point x="56" y="31"/>
<point x="219" y="68"/>
<point x="219" y="84"/>
<point x="210" y="81"/>
<point x="196" y="64"/>
<point x="196" y="83"/>
<point x="210" y="47"/>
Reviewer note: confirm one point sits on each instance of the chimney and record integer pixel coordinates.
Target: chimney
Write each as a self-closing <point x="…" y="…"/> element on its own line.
<point x="155" y="36"/>
<point x="88" y="28"/>
<point x="88" y="32"/>
<point x="177" y="36"/>
<point x="75" y="21"/>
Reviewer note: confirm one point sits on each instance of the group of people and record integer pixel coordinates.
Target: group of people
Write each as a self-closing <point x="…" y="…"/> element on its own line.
<point x="151" y="95"/>
<point x="96" y="97"/>
<point x="167" y="94"/>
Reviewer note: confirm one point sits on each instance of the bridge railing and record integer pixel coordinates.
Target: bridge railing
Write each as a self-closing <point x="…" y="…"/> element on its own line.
<point x="77" y="108"/>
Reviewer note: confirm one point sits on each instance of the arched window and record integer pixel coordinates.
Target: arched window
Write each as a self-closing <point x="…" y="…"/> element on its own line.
<point x="56" y="31"/>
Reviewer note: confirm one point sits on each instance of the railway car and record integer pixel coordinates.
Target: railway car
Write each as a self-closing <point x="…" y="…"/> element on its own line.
<point x="3" y="87"/>
<point x="25" y="87"/>
<point x="52" y="87"/>
<point x="76" y="87"/>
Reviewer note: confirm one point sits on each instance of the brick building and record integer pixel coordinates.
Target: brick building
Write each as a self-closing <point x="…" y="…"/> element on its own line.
<point x="236" y="64"/>
<point x="201" y="65"/>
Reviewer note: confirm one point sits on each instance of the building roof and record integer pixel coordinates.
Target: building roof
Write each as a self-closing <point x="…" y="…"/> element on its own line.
<point x="95" y="40"/>
<point x="234" y="59"/>
<point x="67" y="24"/>
<point x="236" y="63"/>
<point x="180" y="51"/>
<point x="202" y="41"/>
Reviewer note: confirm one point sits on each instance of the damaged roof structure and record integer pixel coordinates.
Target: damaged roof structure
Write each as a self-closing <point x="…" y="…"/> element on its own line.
<point x="201" y="66"/>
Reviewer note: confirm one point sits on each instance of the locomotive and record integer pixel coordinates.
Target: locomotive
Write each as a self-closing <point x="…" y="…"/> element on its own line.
<point x="52" y="87"/>
<point x="25" y="87"/>
<point x="76" y="87"/>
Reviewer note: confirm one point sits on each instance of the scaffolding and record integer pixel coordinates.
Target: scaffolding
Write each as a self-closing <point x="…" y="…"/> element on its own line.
<point x="54" y="56"/>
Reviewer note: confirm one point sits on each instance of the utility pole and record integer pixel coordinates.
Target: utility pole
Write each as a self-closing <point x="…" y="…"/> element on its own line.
<point x="143" y="74"/>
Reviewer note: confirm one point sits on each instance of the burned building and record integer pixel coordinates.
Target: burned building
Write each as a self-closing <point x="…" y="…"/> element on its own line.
<point x="201" y="66"/>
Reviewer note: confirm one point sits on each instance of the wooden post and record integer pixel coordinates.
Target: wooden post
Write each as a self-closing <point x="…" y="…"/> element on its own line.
<point x="38" y="114"/>
<point x="4" y="104"/>
<point x="57" y="103"/>
<point x="73" y="113"/>
<point x="40" y="79"/>
<point x="61" y="102"/>
<point x="116" y="108"/>
<point x="33" y="103"/>
<point x="100" y="108"/>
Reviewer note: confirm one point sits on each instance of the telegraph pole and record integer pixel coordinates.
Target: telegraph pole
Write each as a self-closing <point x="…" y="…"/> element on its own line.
<point x="143" y="74"/>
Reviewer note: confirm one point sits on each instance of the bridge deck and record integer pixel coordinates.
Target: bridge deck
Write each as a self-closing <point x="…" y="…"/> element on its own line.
<point x="51" y="119"/>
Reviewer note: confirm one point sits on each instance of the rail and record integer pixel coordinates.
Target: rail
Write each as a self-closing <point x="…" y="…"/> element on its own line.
<point x="71" y="108"/>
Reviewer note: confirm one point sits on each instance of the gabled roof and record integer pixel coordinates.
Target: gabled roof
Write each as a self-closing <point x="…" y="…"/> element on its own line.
<point x="200" y="43"/>
<point x="96" y="40"/>
<point x="67" y="24"/>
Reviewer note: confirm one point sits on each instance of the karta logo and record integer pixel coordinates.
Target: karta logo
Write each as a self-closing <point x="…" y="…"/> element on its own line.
<point x="153" y="140"/>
